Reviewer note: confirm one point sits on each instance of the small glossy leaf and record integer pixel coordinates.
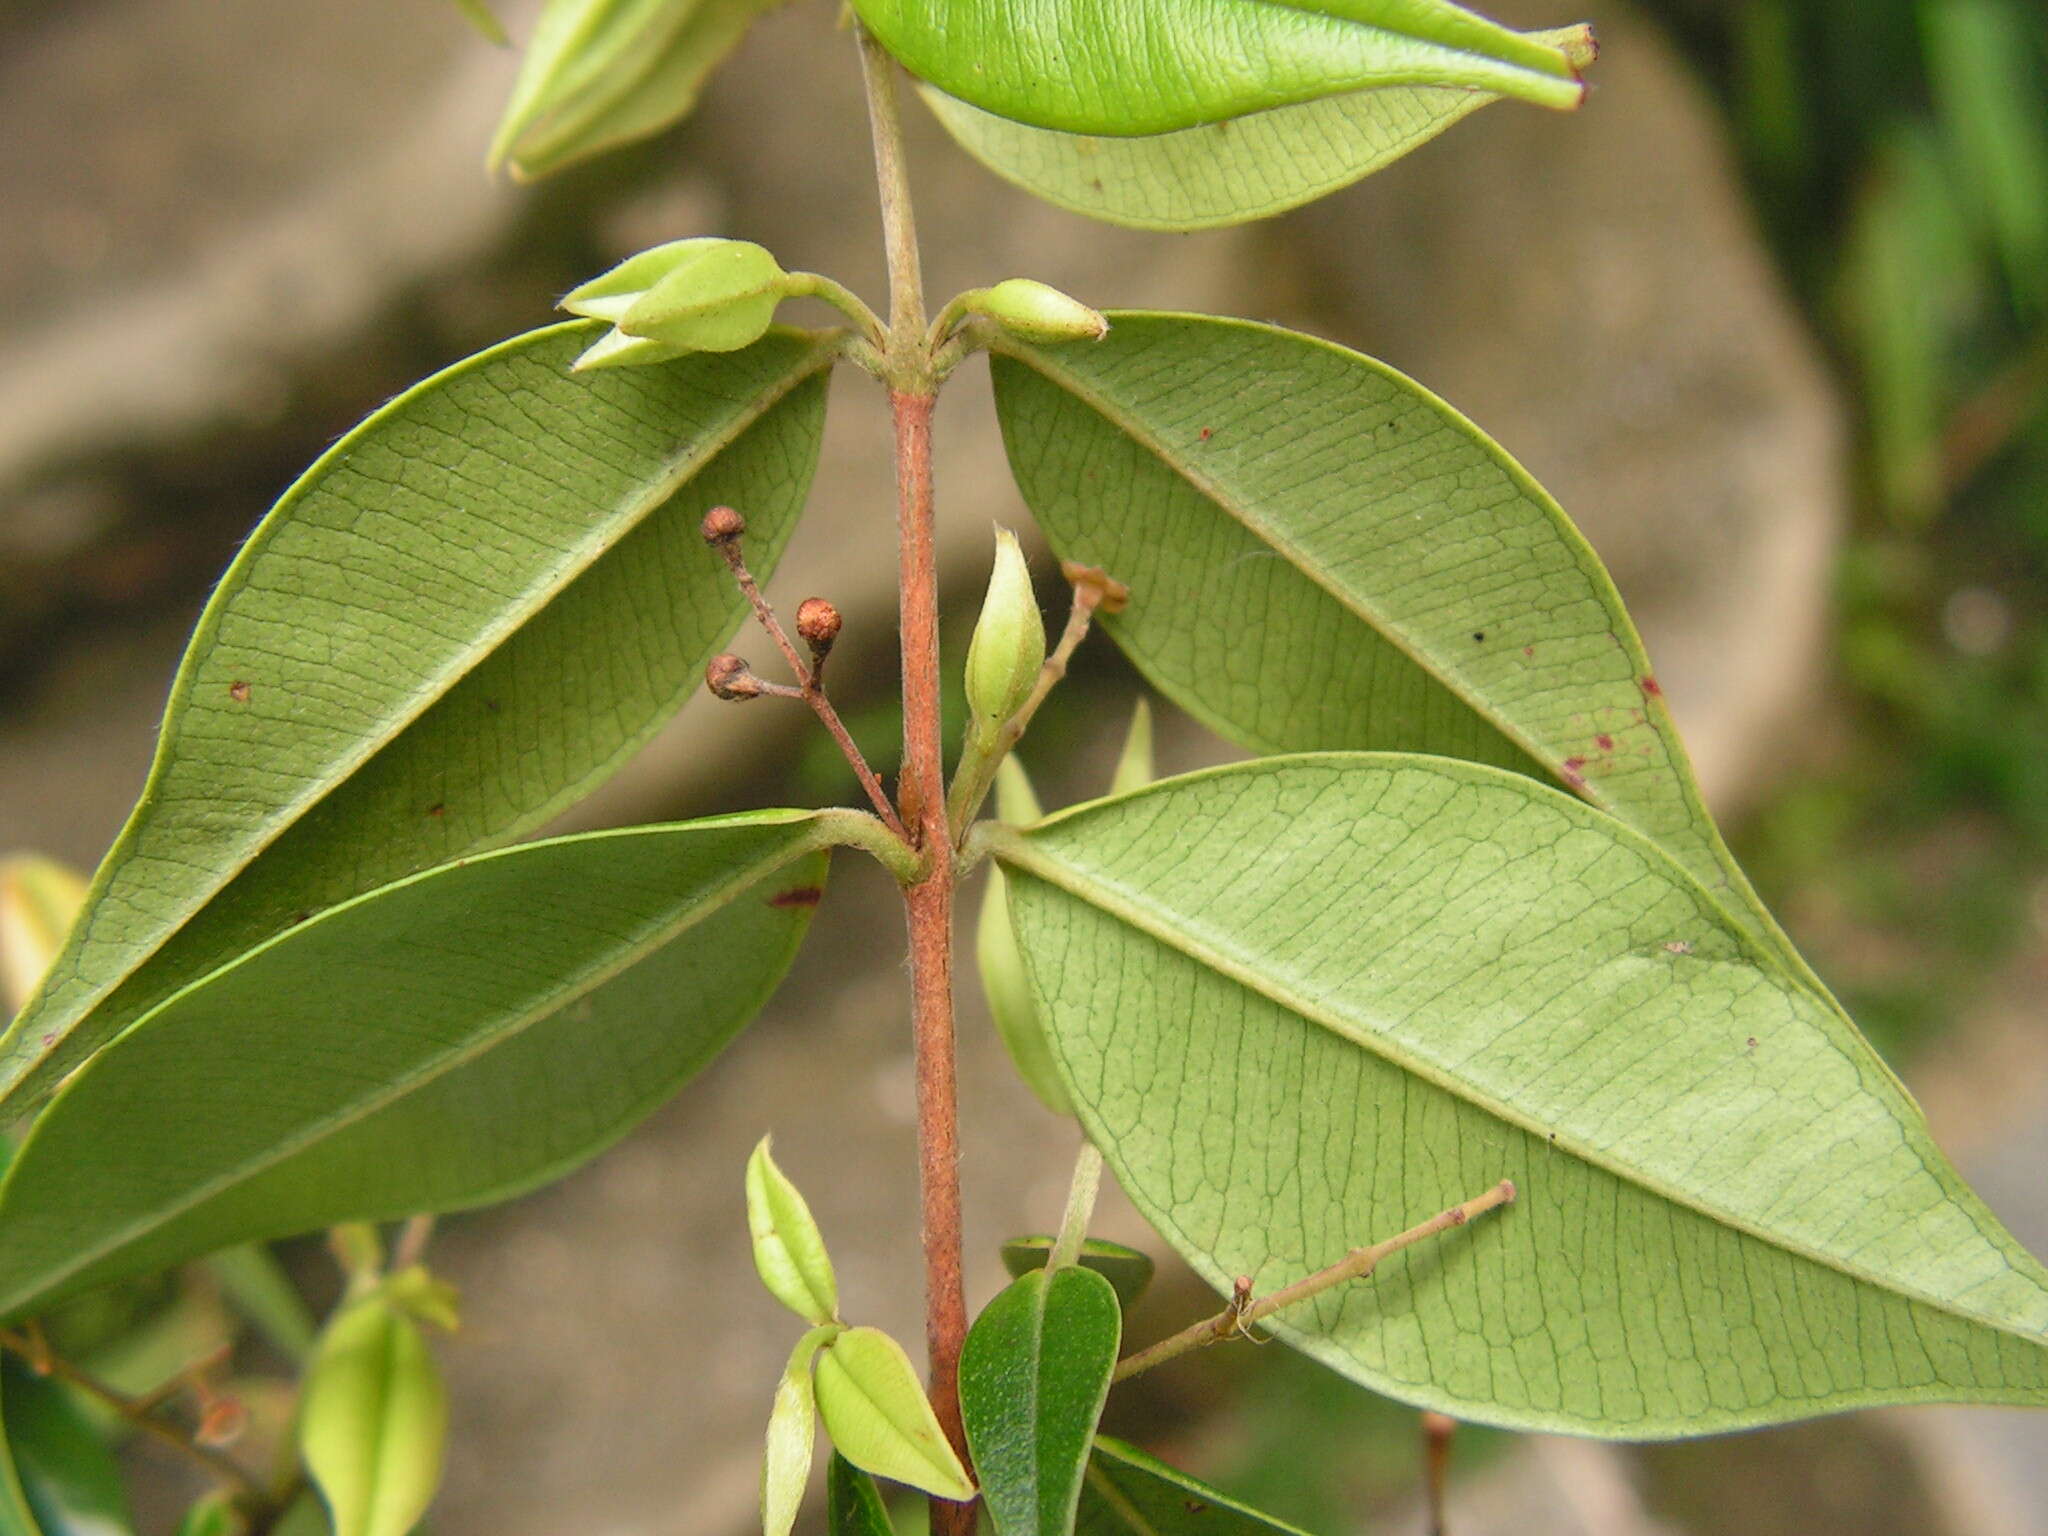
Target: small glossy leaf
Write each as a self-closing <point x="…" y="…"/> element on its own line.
<point x="1304" y="1003"/>
<point x="879" y="1419"/>
<point x="1152" y="66"/>
<point x="1034" y="1374"/>
<point x="70" y="1482"/>
<point x="1323" y="555"/>
<point x="854" y="1505"/>
<point x="789" y="1250"/>
<point x="792" y="1432"/>
<point x="1134" y="766"/>
<point x="1218" y="173"/>
<point x="39" y="901"/>
<point x="1128" y="1493"/>
<point x="470" y="611"/>
<point x="1128" y="1271"/>
<point x="602" y="73"/>
<point x="449" y="1040"/>
<point x="373" y="1422"/>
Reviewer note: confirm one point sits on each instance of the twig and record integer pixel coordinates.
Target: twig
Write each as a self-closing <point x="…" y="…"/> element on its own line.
<point x="413" y="1238"/>
<point x="1360" y="1262"/>
<point x="39" y="1358"/>
<point x="1437" y="1430"/>
<point x="725" y="530"/>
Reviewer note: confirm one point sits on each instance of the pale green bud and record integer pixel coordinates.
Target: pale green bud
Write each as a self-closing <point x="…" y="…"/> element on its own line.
<point x="1001" y="963"/>
<point x="373" y="1420"/>
<point x="1037" y="312"/>
<point x="1008" y="646"/>
<point x="792" y="1436"/>
<point x="1134" y="765"/>
<point x="879" y="1419"/>
<point x="789" y="1250"/>
<point x="701" y="295"/>
<point x="39" y="901"/>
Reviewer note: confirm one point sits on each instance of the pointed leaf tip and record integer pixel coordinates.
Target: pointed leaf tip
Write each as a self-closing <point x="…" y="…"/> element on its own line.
<point x="789" y="1250"/>
<point x="876" y="1412"/>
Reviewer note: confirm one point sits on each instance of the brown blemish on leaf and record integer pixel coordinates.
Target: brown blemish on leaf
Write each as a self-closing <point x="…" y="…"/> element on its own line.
<point x="1604" y="742"/>
<point x="1678" y="947"/>
<point x="1652" y="689"/>
<point x="1196" y="1506"/>
<point x="1528" y="653"/>
<point x="239" y="691"/>
<point x="1206" y="433"/>
<point x="1479" y="636"/>
<point x="1574" y="774"/>
<point x="437" y="810"/>
<point x="798" y="896"/>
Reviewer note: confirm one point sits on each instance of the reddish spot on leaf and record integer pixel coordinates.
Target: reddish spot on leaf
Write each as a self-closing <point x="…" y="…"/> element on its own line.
<point x="801" y="896"/>
<point x="1651" y="687"/>
<point x="1678" y="947"/>
<point x="1604" y="742"/>
<point x="1207" y="433"/>
<point x="437" y="810"/>
<point x="239" y="692"/>
<point x="1529" y="652"/>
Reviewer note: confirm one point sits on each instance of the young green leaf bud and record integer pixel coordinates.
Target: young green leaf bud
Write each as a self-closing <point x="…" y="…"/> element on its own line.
<point x="1008" y="992"/>
<point x="39" y="899"/>
<point x="1134" y="764"/>
<point x="699" y="295"/>
<point x="1038" y="313"/>
<point x="373" y="1420"/>
<point x="1008" y="646"/>
<point x="817" y="621"/>
<point x="792" y="1433"/>
<point x="729" y="677"/>
<point x="879" y="1419"/>
<point x="789" y="1250"/>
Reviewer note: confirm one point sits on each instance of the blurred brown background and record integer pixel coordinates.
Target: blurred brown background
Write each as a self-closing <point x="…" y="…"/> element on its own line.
<point x="1766" y="316"/>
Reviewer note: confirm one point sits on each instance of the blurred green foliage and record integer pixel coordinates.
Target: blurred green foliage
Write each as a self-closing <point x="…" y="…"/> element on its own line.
<point x="1898" y="155"/>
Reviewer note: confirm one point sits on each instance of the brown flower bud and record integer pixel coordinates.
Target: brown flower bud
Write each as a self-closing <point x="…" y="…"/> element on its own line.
<point x="729" y="677"/>
<point x="818" y="622"/>
<point x="722" y="525"/>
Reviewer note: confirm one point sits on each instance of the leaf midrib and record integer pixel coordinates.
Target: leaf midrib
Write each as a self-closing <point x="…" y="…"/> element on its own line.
<point x="396" y="1089"/>
<point x="1018" y="850"/>
<point x="602" y="537"/>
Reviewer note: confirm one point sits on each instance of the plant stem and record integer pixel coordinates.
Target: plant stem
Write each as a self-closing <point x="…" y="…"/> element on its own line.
<point x="138" y="1414"/>
<point x="928" y="902"/>
<point x="1066" y="1248"/>
<point x="1437" y="1431"/>
<point x="1243" y="1312"/>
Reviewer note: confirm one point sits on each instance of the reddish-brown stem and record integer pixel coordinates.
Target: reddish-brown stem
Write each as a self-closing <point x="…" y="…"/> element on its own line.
<point x="929" y="907"/>
<point x="1437" y="1432"/>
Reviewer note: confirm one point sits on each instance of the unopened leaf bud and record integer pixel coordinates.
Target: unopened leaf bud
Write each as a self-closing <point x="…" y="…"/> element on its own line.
<point x="722" y="525"/>
<point x="1037" y="312"/>
<point x="700" y="295"/>
<point x="817" y="621"/>
<point x="1008" y="646"/>
<point x="373" y="1420"/>
<point x="730" y="677"/>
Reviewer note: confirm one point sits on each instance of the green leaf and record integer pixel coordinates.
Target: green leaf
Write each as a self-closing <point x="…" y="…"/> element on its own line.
<point x="214" y="1514"/>
<point x="469" y="612"/>
<point x="1323" y="555"/>
<point x="68" y="1478"/>
<point x="792" y="1433"/>
<point x="854" y="1504"/>
<point x="1304" y="1003"/>
<point x="1129" y="1493"/>
<point x="453" y="1039"/>
<point x="1215" y="174"/>
<point x="602" y="73"/>
<point x="373" y="1423"/>
<point x="1127" y="1270"/>
<point x="1152" y="66"/>
<point x="876" y="1412"/>
<point x="1134" y="766"/>
<point x="789" y="1250"/>
<point x="1034" y="1374"/>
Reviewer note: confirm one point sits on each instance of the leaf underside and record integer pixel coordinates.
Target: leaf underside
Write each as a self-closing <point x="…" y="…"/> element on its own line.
<point x="1324" y="556"/>
<point x="468" y="613"/>
<point x="1218" y="173"/>
<point x="447" y="1041"/>
<point x="1304" y="1003"/>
